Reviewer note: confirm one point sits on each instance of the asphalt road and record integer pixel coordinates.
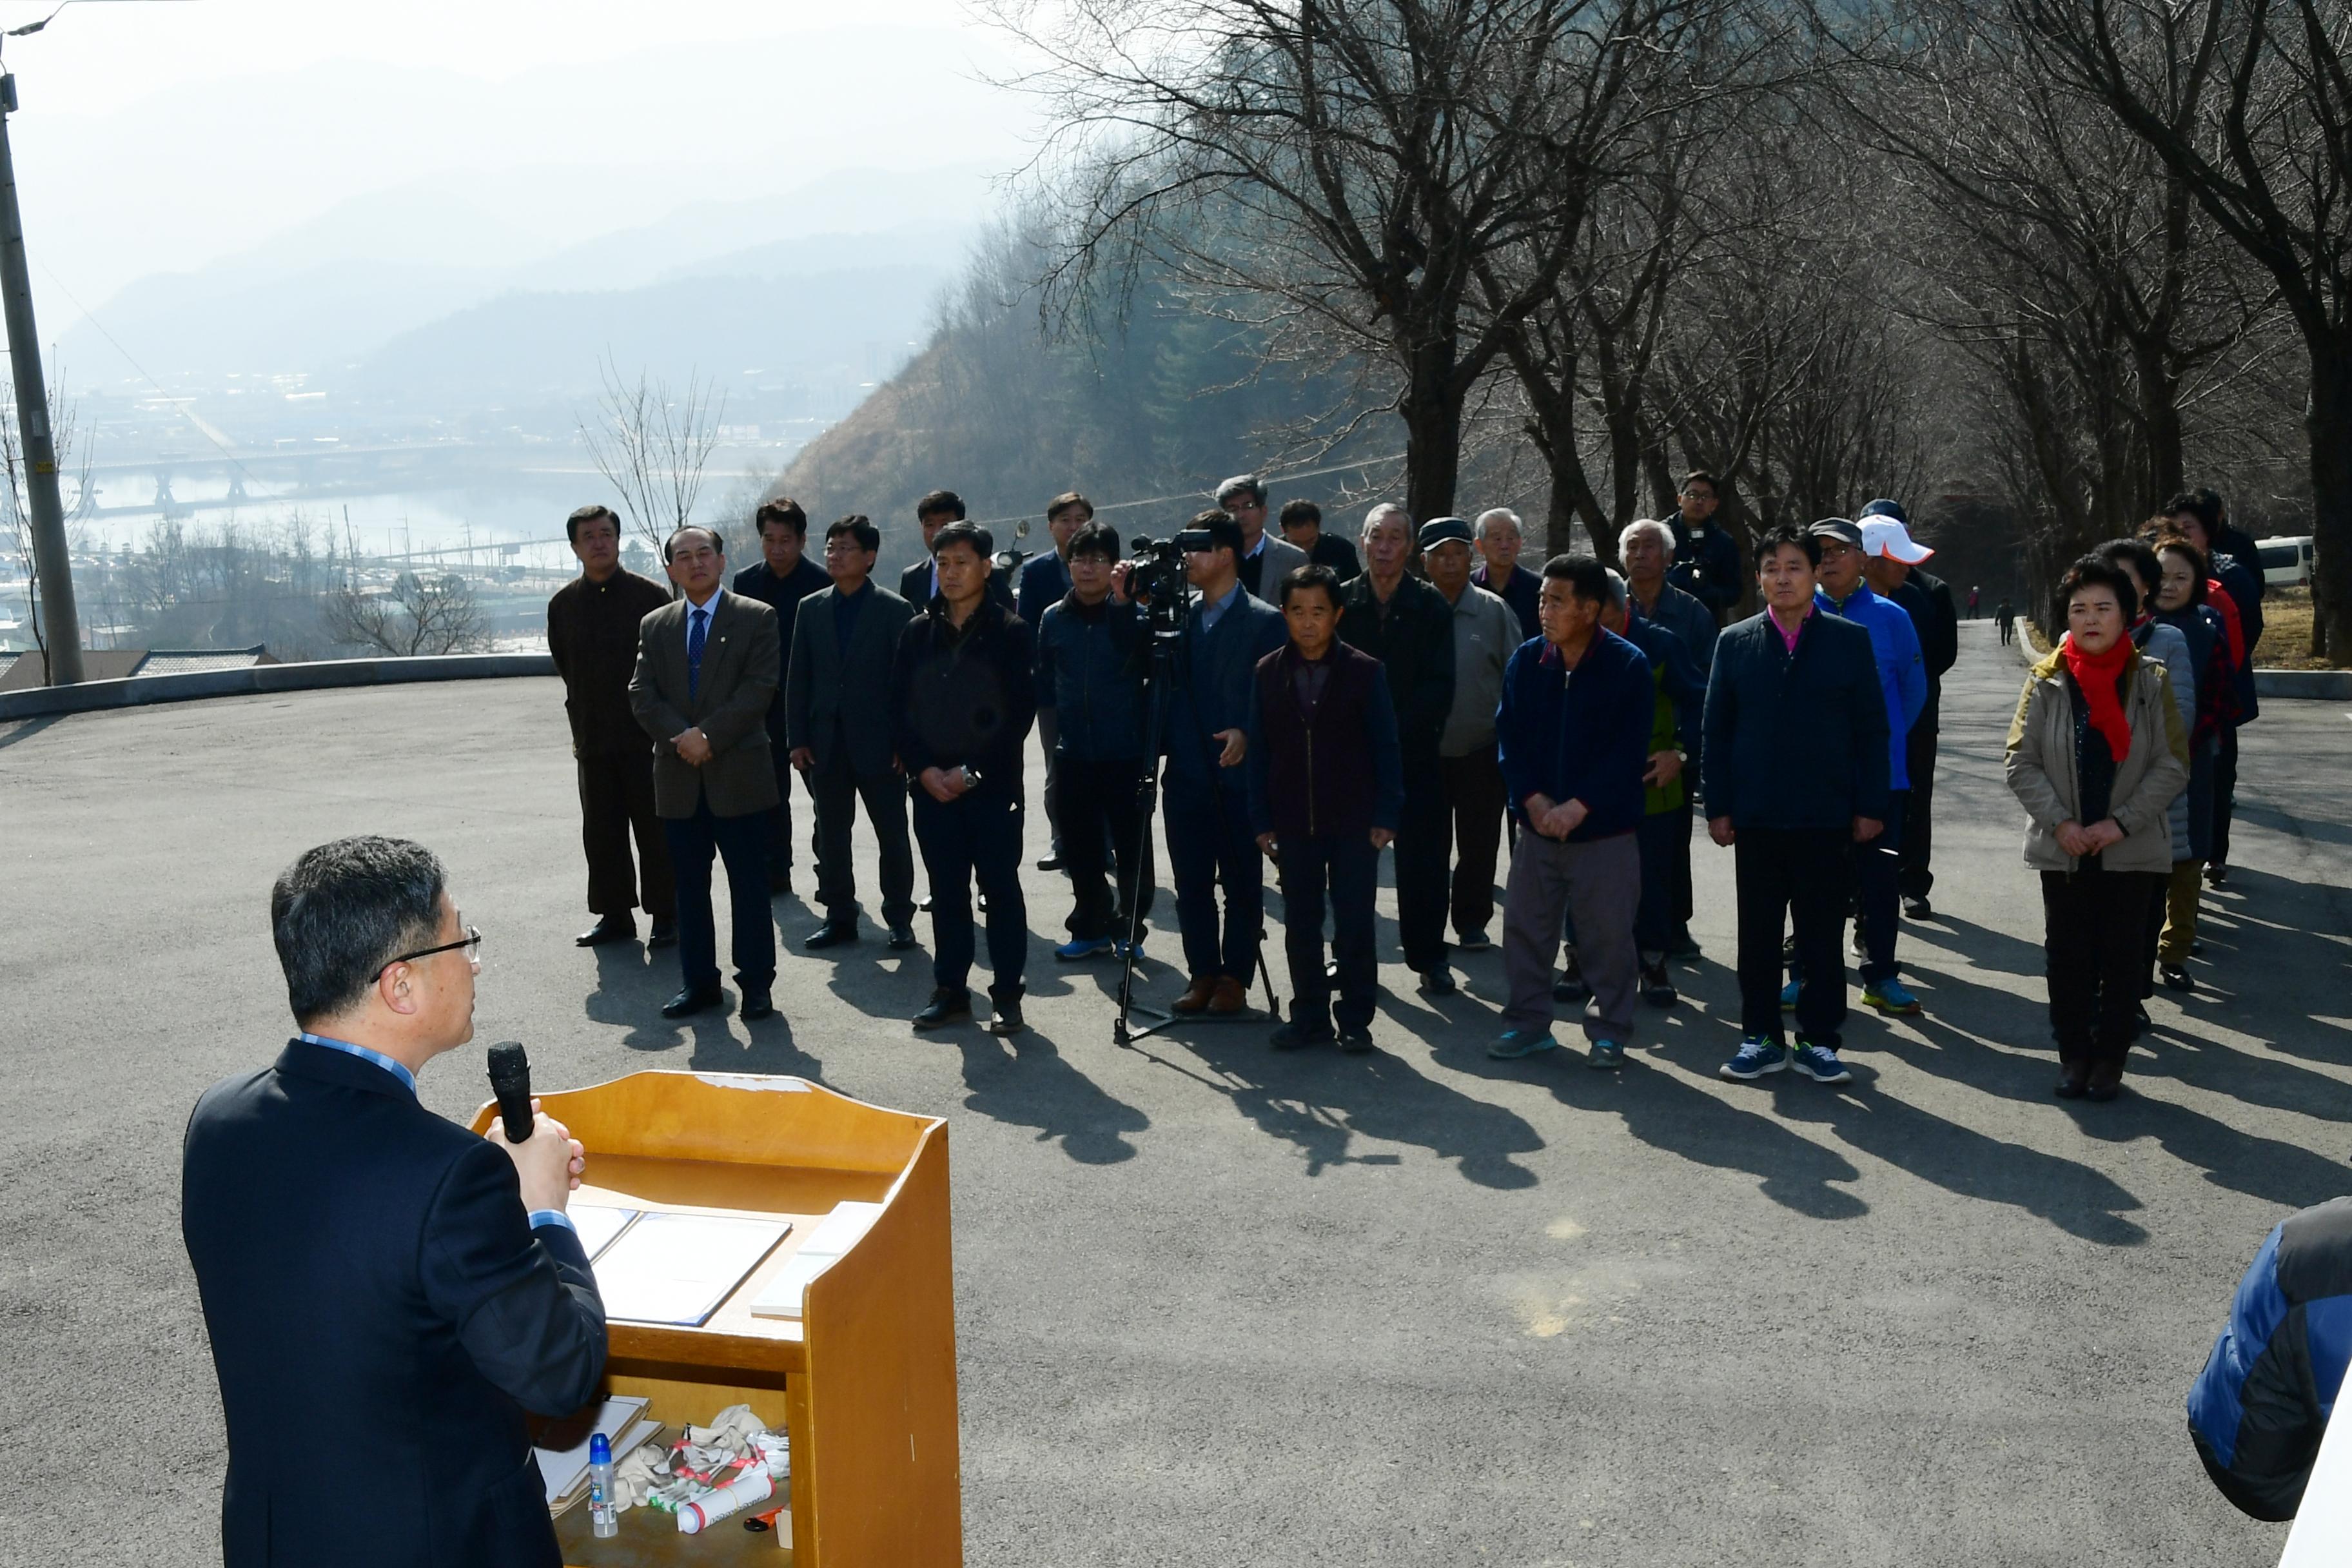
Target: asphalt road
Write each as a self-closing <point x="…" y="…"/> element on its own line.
<point x="1216" y="1305"/>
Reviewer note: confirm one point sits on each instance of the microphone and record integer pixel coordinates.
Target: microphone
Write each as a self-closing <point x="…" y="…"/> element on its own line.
<point x="510" y="1081"/>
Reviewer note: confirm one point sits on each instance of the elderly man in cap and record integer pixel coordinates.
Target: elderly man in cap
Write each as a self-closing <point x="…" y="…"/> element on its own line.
<point x="1265" y="560"/>
<point x="1892" y="563"/>
<point x="1485" y="635"/>
<point x="1903" y="682"/>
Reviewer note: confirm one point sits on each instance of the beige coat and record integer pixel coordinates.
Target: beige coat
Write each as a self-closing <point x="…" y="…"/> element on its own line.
<point x="2041" y="768"/>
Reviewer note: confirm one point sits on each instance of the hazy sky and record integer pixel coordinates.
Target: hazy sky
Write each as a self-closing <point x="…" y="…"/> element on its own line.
<point x="160" y="137"/>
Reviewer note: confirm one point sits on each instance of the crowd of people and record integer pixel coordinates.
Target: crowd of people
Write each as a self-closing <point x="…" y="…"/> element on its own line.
<point x="1415" y="690"/>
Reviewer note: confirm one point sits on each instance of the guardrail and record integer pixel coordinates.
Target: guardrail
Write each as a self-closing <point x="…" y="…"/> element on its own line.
<point x="139" y="691"/>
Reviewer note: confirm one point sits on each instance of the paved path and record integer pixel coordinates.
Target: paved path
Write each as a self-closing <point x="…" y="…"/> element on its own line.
<point x="1217" y="1305"/>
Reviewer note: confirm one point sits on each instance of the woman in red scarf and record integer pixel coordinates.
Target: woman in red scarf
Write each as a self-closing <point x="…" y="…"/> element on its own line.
<point x="2097" y="752"/>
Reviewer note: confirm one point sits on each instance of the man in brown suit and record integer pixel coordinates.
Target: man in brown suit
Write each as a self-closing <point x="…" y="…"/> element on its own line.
<point x="707" y="668"/>
<point x="592" y="631"/>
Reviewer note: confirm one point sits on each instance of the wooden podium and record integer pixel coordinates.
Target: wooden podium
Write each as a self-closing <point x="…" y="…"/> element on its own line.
<point x="865" y="1384"/>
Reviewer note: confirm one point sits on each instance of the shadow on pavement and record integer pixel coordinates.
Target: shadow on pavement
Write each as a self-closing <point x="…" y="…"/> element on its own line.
<point x="1024" y="1081"/>
<point x="1320" y="1100"/>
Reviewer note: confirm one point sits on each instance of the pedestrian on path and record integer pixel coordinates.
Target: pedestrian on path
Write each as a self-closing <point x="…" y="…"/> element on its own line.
<point x="2096" y="754"/>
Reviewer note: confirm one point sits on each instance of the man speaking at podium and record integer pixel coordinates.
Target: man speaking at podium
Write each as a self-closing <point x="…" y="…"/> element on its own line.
<point x="387" y="1293"/>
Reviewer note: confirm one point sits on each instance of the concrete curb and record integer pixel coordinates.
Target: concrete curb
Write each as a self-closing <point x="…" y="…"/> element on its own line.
<point x="137" y="692"/>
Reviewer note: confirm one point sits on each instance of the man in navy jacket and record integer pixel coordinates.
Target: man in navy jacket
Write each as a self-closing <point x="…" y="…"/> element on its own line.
<point x="375" y="1280"/>
<point x="1796" y="767"/>
<point x="1574" y="734"/>
<point x="1209" y="840"/>
<point x="1044" y="583"/>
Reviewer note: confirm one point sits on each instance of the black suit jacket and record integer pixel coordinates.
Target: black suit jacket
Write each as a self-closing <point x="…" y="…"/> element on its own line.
<point x="382" y="1314"/>
<point x="915" y="587"/>
<point x="831" y="697"/>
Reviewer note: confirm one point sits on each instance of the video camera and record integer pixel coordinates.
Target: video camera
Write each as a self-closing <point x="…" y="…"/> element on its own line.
<point x="1156" y="575"/>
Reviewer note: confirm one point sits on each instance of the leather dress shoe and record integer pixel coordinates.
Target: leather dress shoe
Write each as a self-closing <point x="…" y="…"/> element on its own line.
<point x="2073" y="1078"/>
<point x="691" y="1001"/>
<point x="608" y="928"/>
<point x="832" y="933"/>
<point x="757" y="1004"/>
<point x="1439" y="982"/>
<point x="902" y="938"/>
<point x="1228" y="998"/>
<point x="665" y="935"/>
<point x="1196" y="994"/>
<point x="1008" y="1019"/>
<point x="946" y="1007"/>
<point x="2106" y="1081"/>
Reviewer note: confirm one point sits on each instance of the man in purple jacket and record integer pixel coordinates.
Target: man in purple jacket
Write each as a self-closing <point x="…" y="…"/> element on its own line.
<point x="1574" y="730"/>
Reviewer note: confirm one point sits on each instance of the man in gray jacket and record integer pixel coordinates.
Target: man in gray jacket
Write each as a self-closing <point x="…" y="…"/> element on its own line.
<point x="1485" y="635"/>
<point x="1265" y="560"/>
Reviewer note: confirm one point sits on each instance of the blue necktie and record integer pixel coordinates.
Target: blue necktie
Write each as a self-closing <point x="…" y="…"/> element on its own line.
<point x="694" y="631"/>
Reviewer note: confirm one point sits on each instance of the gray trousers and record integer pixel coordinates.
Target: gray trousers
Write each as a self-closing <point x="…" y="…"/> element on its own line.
<point x="1600" y="885"/>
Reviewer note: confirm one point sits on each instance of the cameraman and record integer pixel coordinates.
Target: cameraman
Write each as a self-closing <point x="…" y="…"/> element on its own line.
<point x="1226" y="632"/>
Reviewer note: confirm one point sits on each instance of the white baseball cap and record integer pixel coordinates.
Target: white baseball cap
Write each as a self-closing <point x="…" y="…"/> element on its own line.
<point x="1884" y="536"/>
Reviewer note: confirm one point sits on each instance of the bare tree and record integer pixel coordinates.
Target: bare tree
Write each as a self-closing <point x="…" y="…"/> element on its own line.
<point x="2248" y="102"/>
<point x="419" y="615"/>
<point x="73" y="458"/>
<point x="652" y="446"/>
<point x="1363" y="159"/>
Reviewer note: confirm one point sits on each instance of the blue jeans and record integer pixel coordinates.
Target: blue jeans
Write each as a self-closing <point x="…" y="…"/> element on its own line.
<point x="1209" y="841"/>
<point x="976" y="836"/>
<point x="742" y="843"/>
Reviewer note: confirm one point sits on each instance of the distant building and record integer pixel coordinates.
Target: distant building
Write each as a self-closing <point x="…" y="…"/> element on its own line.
<point x="27" y="671"/>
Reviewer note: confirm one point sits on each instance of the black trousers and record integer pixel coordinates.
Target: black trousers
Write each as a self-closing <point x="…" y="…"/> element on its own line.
<point x="742" y="843"/>
<point x="616" y="803"/>
<point x="1662" y="837"/>
<point x="976" y="837"/>
<point x="779" y="819"/>
<point x="1473" y="800"/>
<point x="1210" y="847"/>
<point x="1424" y="833"/>
<point x="1804" y="877"/>
<point x="2094" y="955"/>
<point x="837" y="792"/>
<point x="1102" y="820"/>
<point x="2225" y="796"/>
<point x="1346" y="867"/>
<point x="1919" y="761"/>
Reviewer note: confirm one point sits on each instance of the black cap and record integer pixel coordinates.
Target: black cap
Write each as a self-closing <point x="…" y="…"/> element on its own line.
<point x="1438" y="529"/>
<point x="1838" y="528"/>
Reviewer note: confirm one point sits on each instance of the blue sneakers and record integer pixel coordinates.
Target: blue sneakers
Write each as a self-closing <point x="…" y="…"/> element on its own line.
<point x="1820" y="1063"/>
<point x="1081" y="947"/>
<point x="1605" y="1054"/>
<point x="1892" y="997"/>
<point x="1757" y="1056"/>
<point x="1515" y="1043"/>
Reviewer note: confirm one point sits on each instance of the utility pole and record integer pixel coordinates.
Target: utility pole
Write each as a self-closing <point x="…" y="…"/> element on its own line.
<point x="60" y="625"/>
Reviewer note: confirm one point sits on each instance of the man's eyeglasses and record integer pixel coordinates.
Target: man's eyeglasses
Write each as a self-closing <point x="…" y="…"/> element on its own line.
<point x="472" y="942"/>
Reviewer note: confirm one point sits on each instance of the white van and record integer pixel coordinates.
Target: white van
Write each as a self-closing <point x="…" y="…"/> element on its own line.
<point x="2287" y="563"/>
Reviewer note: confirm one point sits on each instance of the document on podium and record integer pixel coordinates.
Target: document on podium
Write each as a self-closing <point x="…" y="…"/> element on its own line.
<point x="786" y="1295"/>
<point x="598" y="1223"/>
<point x="676" y="1268"/>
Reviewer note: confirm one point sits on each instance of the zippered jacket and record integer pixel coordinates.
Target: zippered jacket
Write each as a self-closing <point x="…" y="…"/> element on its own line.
<point x="1795" y="740"/>
<point x="1579" y="734"/>
<point x="2259" y="1409"/>
<point x="2042" y="774"/>
<point x="1090" y="670"/>
<point x="1336" y="771"/>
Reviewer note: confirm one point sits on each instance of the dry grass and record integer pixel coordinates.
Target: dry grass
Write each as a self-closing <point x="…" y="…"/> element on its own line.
<point x="2287" y="632"/>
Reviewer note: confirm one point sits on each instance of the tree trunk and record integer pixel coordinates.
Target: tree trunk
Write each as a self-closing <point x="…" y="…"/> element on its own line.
<point x="1432" y="410"/>
<point x="2329" y="418"/>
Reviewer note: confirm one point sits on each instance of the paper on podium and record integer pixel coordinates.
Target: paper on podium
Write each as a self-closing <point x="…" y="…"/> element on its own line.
<point x="785" y="1296"/>
<point x="598" y="1223"/>
<point x="676" y="1267"/>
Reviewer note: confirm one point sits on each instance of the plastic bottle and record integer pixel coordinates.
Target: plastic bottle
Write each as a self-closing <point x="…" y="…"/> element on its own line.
<point x="603" y="1519"/>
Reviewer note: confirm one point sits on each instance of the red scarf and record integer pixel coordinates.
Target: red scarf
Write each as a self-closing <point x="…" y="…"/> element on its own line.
<point x="2097" y="677"/>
